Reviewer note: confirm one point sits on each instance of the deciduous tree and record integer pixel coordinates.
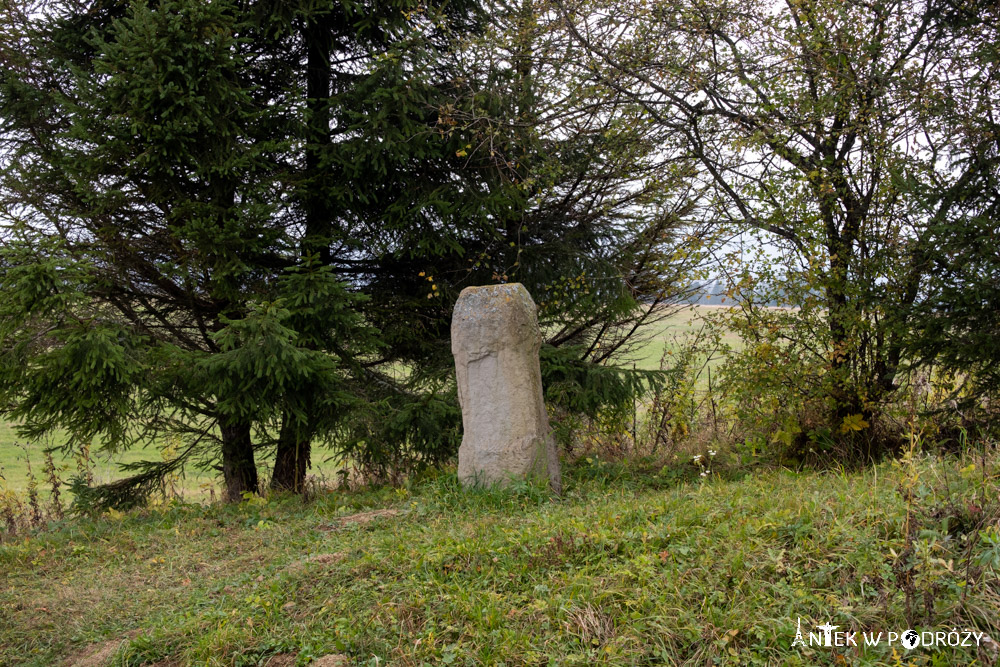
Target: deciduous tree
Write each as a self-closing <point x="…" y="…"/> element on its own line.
<point x="818" y="127"/>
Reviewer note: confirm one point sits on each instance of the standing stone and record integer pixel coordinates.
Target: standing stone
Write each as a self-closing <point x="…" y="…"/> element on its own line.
<point x="495" y="340"/>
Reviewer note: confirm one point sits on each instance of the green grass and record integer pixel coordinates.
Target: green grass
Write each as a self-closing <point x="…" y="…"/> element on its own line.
<point x="14" y="461"/>
<point x="629" y="567"/>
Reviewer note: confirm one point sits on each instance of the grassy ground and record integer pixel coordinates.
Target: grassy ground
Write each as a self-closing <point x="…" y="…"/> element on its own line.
<point x="629" y="567"/>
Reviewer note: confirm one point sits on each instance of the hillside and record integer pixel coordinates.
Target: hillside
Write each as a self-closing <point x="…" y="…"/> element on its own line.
<point x="629" y="567"/>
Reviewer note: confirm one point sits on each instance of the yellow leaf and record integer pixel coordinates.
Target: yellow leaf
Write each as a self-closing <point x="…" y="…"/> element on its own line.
<point x="853" y="423"/>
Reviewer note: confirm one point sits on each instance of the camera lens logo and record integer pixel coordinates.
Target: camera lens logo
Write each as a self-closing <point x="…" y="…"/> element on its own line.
<point x="910" y="639"/>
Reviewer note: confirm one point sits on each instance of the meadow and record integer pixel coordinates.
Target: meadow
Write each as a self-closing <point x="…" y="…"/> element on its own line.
<point x="630" y="566"/>
<point x="670" y="333"/>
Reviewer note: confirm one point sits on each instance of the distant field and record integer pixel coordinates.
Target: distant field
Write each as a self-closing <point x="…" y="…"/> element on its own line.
<point x="14" y="464"/>
<point x="685" y="322"/>
<point x="193" y="484"/>
<point x="197" y="483"/>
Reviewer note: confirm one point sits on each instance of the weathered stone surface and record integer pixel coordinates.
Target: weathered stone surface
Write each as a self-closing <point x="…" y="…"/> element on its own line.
<point x="495" y="340"/>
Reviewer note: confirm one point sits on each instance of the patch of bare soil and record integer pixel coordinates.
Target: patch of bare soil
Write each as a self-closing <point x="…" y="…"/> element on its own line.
<point x="332" y="660"/>
<point x="319" y="559"/>
<point x="326" y="559"/>
<point x="360" y="518"/>
<point x="99" y="655"/>
<point x="95" y="655"/>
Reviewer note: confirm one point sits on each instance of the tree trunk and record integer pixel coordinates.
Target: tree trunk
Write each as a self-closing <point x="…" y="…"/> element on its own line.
<point x="291" y="459"/>
<point x="294" y="444"/>
<point x="316" y="36"/>
<point x="525" y="109"/>
<point x="293" y="454"/>
<point x="238" y="467"/>
<point x="844" y="394"/>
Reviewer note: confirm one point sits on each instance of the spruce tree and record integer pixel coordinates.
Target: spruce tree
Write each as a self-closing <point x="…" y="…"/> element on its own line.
<point x="153" y="277"/>
<point x="244" y="224"/>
